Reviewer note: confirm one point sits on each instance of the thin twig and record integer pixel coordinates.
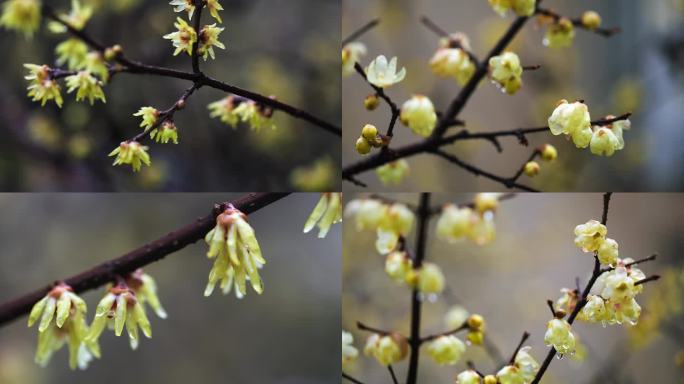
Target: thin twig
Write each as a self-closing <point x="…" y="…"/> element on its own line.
<point x="391" y="371"/>
<point x="577" y="22"/>
<point x="359" y="32"/>
<point x="353" y="380"/>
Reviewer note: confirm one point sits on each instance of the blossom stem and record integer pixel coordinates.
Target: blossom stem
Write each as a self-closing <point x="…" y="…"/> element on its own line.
<point x="363" y="327"/>
<point x="577" y="22"/>
<point x="197" y="19"/>
<point x="391" y="371"/>
<point x="360" y="32"/>
<point x="353" y="380"/>
<point x="153" y="251"/>
<point x="524" y="338"/>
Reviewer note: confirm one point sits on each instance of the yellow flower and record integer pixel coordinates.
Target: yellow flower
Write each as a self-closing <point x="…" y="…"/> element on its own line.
<point x="501" y="6"/>
<point x="383" y="74"/>
<point x="88" y="87"/>
<point x="572" y="119"/>
<point x="430" y="279"/>
<point x="531" y="168"/>
<point x="76" y="18"/>
<point x="419" y="115"/>
<point x="213" y="6"/>
<point x="183" y="38"/>
<point x="594" y="310"/>
<point x="396" y="221"/>
<point x="41" y="85"/>
<point x="234" y="246"/>
<point x="549" y="152"/>
<point x="453" y="62"/>
<point x="319" y="176"/>
<point x="454" y="223"/>
<point x="468" y="376"/>
<point x="568" y="300"/>
<point x="208" y="38"/>
<point x="398" y="266"/>
<point x="367" y="213"/>
<point x="349" y="352"/>
<point x="446" y="350"/>
<point x="95" y="63"/>
<point x="184" y="5"/>
<point x="254" y="115"/>
<point x="559" y="34"/>
<point x="351" y="54"/>
<point x="603" y="142"/>
<point x="486" y="201"/>
<point x="456" y="317"/>
<point x="118" y="308"/>
<point x="387" y="349"/>
<point x="506" y="72"/>
<point x="526" y="364"/>
<point x="559" y="335"/>
<point x="224" y="109"/>
<point x="149" y="117"/>
<point x="327" y="212"/>
<point x="131" y="152"/>
<point x="69" y="326"/>
<point x="510" y="374"/>
<point x="165" y="133"/>
<point x="21" y="15"/>
<point x="393" y="172"/>
<point x="73" y="52"/>
<point x="608" y="252"/>
<point x="590" y="236"/>
<point x="145" y="289"/>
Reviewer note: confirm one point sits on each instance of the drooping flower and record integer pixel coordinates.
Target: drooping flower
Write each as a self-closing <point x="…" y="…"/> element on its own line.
<point x="77" y="18"/>
<point x="397" y="221"/>
<point x="418" y="113"/>
<point x="393" y="173"/>
<point x="21" y="15"/>
<point x="453" y="62"/>
<point x="510" y="374"/>
<point x="573" y="120"/>
<point x="568" y="300"/>
<point x="367" y="213"/>
<point x="234" y="246"/>
<point x="69" y="327"/>
<point x="604" y="142"/>
<point x="608" y="252"/>
<point x="145" y="289"/>
<point x="351" y="54"/>
<point x="559" y="34"/>
<point x="526" y="364"/>
<point x="594" y="310"/>
<point x="224" y="109"/>
<point x="184" y="37"/>
<point x="559" y="335"/>
<point x="383" y="74"/>
<point x="486" y="202"/>
<point x="506" y="71"/>
<point x="214" y="7"/>
<point x="184" y="5"/>
<point x="254" y="115"/>
<point x="349" y="352"/>
<point x="133" y="153"/>
<point x="41" y="85"/>
<point x="386" y="349"/>
<point x="73" y="52"/>
<point x="454" y="223"/>
<point x="208" y="39"/>
<point x="88" y="87"/>
<point x="446" y="350"/>
<point x="149" y="117"/>
<point x="456" y="317"/>
<point x="468" y="376"/>
<point x="166" y="132"/>
<point x="430" y="279"/>
<point x="590" y="236"/>
<point x="96" y="64"/>
<point x="327" y="212"/>
<point x="118" y="308"/>
<point x="398" y="266"/>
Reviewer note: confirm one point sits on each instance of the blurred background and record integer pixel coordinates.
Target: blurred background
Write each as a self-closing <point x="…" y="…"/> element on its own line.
<point x="509" y="281"/>
<point x="287" y="48"/>
<point x="288" y="335"/>
<point x="638" y="70"/>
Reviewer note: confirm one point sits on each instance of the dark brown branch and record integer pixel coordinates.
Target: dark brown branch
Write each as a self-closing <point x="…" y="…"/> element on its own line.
<point x="577" y="22"/>
<point x="353" y="380"/>
<point x="391" y="371"/>
<point x="363" y="327"/>
<point x="138" y="258"/>
<point x="416" y="303"/>
<point x="524" y="338"/>
<point x="439" y="31"/>
<point x="447" y="333"/>
<point x="197" y="19"/>
<point x="646" y="280"/>
<point x="381" y="93"/>
<point x="361" y="31"/>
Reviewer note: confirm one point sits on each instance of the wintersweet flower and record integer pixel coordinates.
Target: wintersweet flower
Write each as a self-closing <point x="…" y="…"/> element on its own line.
<point x="149" y="117"/>
<point x="573" y="120"/>
<point x="618" y="128"/>
<point x="398" y="266"/>
<point x="446" y="350"/>
<point x="482" y="230"/>
<point x="145" y="289"/>
<point x="367" y="213"/>
<point x="208" y="39"/>
<point x="397" y="221"/>
<point x="604" y="142"/>
<point x="594" y="310"/>
<point x="118" y="308"/>
<point x="490" y="379"/>
<point x="456" y="317"/>
<point x="418" y="113"/>
<point x="430" y="279"/>
<point x="559" y="34"/>
<point x="88" y="87"/>
<point x="96" y="64"/>
<point x="526" y="364"/>
<point x="255" y="116"/>
<point x="383" y="74"/>
<point x="214" y="7"/>
<point x="77" y="18"/>
<point x="166" y="132"/>
<point x="327" y="212"/>
<point x="73" y="52"/>
<point x="184" y="5"/>
<point x="234" y="246"/>
<point x="486" y="201"/>
<point x="568" y="300"/>
<point x="224" y="109"/>
<point x="349" y="352"/>
<point x="133" y="153"/>
<point x="454" y="223"/>
<point x="510" y="374"/>
<point x="608" y="252"/>
<point x="184" y="38"/>
<point x="351" y="54"/>
<point x="386" y="349"/>
<point x="69" y="327"/>
<point x="520" y="7"/>
<point x="21" y="15"/>
<point x="468" y="376"/>
<point x="452" y="62"/>
<point x="41" y="85"/>
<point x="506" y="72"/>
<point x="559" y="335"/>
<point x="393" y="173"/>
<point x="590" y="236"/>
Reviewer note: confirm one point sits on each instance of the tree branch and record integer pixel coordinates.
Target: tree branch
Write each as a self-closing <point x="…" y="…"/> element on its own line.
<point x="359" y="32"/>
<point x="156" y="250"/>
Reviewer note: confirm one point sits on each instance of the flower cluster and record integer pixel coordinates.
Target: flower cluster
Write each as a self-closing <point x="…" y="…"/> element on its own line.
<point x="452" y="59"/>
<point x="69" y="327"/>
<point x="351" y="54"/>
<point x="574" y="121"/>
<point x="477" y="224"/>
<point x="418" y="113"/>
<point x="234" y="246"/>
<point x="506" y="71"/>
<point x="118" y="308"/>
<point x="185" y="36"/>
<point x="386" y="349"/>
<point x="131" y="152"/>
<point x="370" y="138"/>
<point x="390" y="221"/>
<point x="166" y="132"/>
<point x="234" y="109"/>
<point x="327" y="212"/>
<point x="383" y="74"/>
<point x="520" y="7"/>
<point x="591" y="237"/>
<point x="42" y="87"/>
<point x="88" y="87"/>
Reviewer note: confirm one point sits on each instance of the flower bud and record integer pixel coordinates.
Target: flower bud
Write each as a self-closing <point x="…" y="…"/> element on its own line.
<point x="591" y="19"/>
<point x="369" y="132"/>
<point x="476" y="337"/>
<point x="531" y="168"/>
<point x="468" y="376"/>
<point x="397" y="265"/>
<point x="476" y="322"/>
<point x="489" y="379"/>
<point x="548" y="152"/>
<point x="371" y="102"/>
<point x="363" y="147"/>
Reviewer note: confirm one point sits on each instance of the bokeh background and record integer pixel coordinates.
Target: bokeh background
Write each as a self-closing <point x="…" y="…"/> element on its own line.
<point x="638" y="70"/>
<point x="290" y="334"/>
<point x="288" y="48"/>
<point x="509" y="281"/>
